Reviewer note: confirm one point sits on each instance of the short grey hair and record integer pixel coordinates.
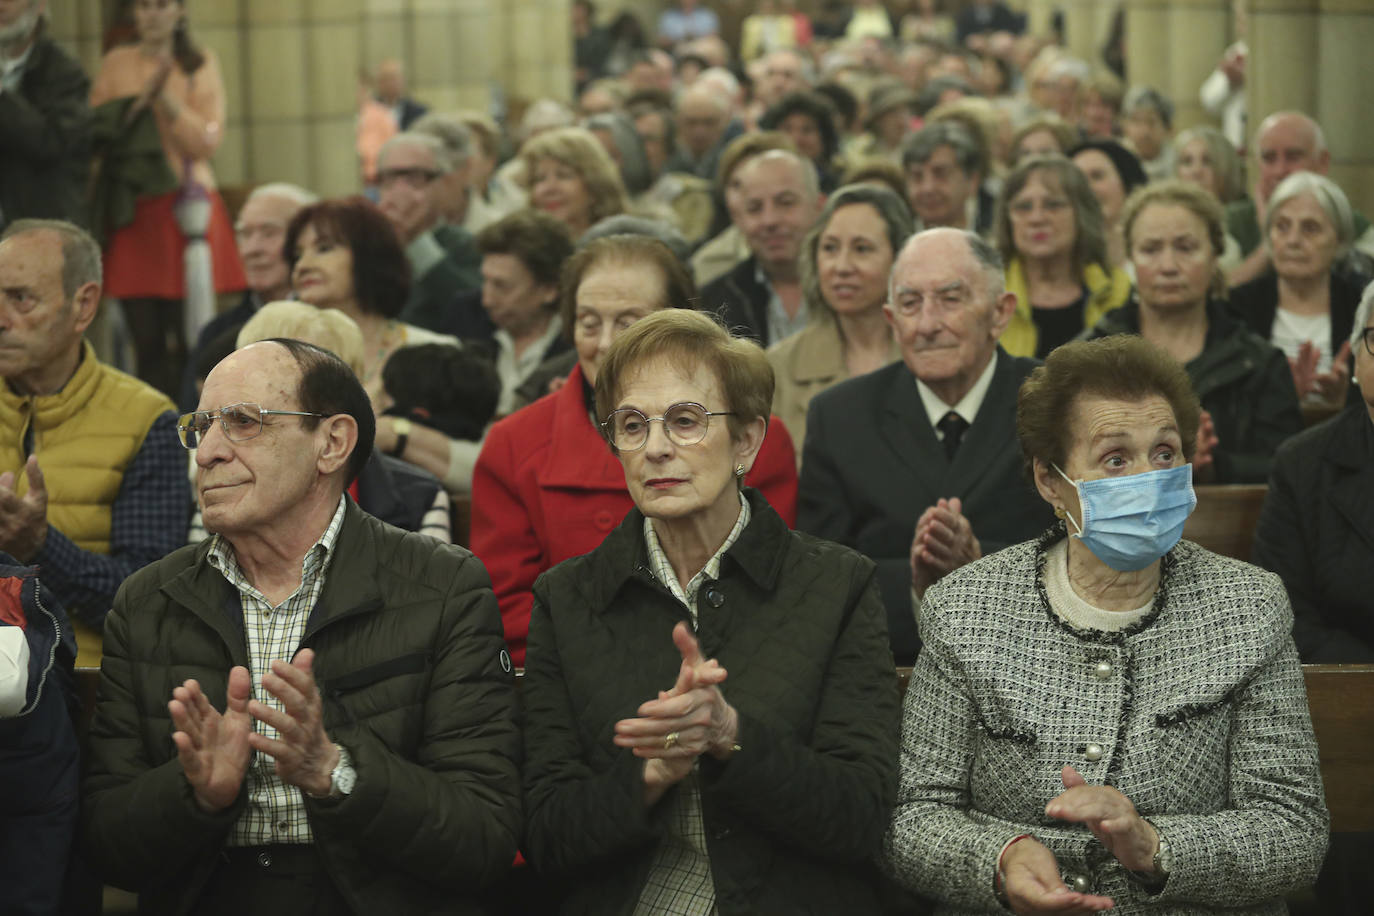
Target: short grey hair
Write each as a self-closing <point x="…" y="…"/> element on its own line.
<point x="1328" y="196"/>
<point x="920" y="146"/>
<point x="284" y="189"/>
<point x="985" y="255"/>
<point x="625" y="224"/>
<point x="80" y="252"/>
<point x="1362" y="320"/>
<point x="810" y="178"/>
<point x="443" y="159"/>
<point x="1151" y="98"/>
<point x="449" y="130"/>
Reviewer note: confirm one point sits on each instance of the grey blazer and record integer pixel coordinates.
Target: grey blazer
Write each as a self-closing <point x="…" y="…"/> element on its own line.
<point x="1199" y="717"/>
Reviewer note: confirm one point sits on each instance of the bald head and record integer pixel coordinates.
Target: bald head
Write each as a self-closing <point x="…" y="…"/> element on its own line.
<point x="776" y="203"/>
<point x="1288" y="142"/>
<point x="391" y="81"/>
<point x="703" y="113"/>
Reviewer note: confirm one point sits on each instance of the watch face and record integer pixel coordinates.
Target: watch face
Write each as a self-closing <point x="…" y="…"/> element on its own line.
<point x="344" y="779"/>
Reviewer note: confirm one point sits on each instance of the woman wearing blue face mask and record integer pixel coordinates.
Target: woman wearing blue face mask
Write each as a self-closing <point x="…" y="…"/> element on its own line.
<point x="1108" y="716"/>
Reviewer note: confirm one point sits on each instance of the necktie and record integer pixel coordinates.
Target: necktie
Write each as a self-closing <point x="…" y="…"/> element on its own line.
<point x="953" y="427"/>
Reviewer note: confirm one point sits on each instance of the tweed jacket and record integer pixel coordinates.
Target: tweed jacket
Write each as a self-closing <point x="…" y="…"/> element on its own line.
<point x="793" y="819"/>
<point x="415" y="683"/>
<point x="1198" y="716"/>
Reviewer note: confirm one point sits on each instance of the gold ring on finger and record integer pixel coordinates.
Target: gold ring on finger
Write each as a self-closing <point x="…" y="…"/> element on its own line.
<point x="669" y="741"/>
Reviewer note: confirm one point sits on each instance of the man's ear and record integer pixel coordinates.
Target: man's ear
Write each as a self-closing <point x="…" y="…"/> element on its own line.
<point x="341" y="437"/>
<point x="1003" y="307"/>
<point x="85" y="303"/>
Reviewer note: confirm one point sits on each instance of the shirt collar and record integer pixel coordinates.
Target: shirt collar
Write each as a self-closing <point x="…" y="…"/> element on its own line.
<point x="221" y="555"/>
<point x="968" y="405"/>
<point x="663" y="569"/>
<point x="12" y="69"/>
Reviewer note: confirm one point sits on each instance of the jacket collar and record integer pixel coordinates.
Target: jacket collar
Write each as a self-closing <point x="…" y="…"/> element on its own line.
<point x="578" y="458"/>
<point x="758" y="553"/>
<point x="819" y="354"/>
<point x="51" y="410"/>
<point x="350" y="586"/>
<point x="1350" y="448"/>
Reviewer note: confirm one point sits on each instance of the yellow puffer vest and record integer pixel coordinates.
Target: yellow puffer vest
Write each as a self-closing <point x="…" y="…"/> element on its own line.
<point x="1106" y="291"/>
<point x="85" y="436"/>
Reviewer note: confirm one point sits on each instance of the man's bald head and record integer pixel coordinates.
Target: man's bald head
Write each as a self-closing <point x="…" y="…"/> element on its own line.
<point x="1288" y="142"/>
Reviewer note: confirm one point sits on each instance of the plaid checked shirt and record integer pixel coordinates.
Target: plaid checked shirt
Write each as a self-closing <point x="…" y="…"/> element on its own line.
<point x="679" y="882"/>
<point x="275" y="812"/>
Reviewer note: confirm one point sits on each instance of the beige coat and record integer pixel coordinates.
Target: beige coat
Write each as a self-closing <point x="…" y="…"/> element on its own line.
<point x="804" y="365"/>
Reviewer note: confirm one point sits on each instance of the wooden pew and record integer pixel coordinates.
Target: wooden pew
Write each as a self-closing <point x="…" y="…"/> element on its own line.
<point x="1226" y="518"/>
<point x="1341" y="698"/>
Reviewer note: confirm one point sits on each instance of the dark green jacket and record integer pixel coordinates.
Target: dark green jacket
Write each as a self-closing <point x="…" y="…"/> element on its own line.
<point x="433" y="293"/>
<point x="793" y="817"/>
<point x="1243" y="381"/>
<point x="416" y="684"/>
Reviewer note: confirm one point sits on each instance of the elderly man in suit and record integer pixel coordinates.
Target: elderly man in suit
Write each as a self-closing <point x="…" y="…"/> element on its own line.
<point x="930" y="442"/>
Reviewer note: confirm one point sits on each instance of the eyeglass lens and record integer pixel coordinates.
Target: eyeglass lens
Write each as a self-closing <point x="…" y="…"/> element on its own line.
<point x="685" y="424"/>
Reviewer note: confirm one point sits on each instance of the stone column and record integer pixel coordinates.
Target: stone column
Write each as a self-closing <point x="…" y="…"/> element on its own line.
<point x="1173" y="45"/>
<point x="1314" y="56"/>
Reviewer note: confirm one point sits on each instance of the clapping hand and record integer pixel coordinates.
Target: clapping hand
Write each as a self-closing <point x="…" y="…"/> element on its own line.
<point x="944" y="541"/>
<point x="23" y="519"/>
<point x="683" y="723"/>
<point x="304" y="754"/>
<point x="1330" y="385"/>
<point x="1204" y="457"/>
<point x="1033" y="884"/>
<point x="213" y="747"/>
<point x="1110" y="816"/>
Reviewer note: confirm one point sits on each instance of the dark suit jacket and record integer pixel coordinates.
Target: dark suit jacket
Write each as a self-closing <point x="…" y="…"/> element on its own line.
<point x="411" y="111"/>
<point x="45" y="138"/>
<point x="1317" y="533"/>
<point x="872" y="464"/>
<point x="740" y="300"/>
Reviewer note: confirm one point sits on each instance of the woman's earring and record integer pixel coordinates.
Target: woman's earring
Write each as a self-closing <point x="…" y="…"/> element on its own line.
<point x="739" y="471"/>
<point x="1059" y="512"/>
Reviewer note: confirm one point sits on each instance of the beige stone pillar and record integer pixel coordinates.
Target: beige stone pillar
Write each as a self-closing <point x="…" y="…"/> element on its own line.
<point x="1086" y="23"/>
<point x="1173" y="45"/>
<point x="1315" y="56"/>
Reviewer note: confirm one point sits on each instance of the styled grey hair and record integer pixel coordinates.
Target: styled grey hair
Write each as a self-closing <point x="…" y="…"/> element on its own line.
<point x="80" y="252"/>
<point x="810" y="179"/>
<point x="285" y="189"/>
<point x="1328" y="196"/>
<point x="449" y="130"/>
<point x="443" y="159"/>
<point x="625" y="224"/>
<point x="892" y="209"/>
<point x="1151" y="98"/>
<point x="920" y="146"/>
<point x="1362" y="319"/>
<point x="1226" y="162"/>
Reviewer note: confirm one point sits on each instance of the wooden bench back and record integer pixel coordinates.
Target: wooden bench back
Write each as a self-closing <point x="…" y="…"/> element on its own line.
<point x="1226" y="518"/>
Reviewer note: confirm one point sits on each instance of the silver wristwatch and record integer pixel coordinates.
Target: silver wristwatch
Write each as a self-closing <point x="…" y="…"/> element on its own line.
<point x="1164" y="858"/>
<point x="343" y="777"/>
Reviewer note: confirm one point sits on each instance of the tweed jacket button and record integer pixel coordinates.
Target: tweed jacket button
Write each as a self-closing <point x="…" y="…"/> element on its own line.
<point x="265" y="859"/>
<point x="1079" y="883"/>
<point x="1093" y="752"/>
<point x="1103" y="669"/>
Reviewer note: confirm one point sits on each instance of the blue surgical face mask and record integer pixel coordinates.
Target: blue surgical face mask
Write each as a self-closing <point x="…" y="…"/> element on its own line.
<point x="1131" y="521"/>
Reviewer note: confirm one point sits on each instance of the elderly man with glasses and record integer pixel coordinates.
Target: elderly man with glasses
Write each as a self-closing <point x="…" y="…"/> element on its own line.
<point x="928" y="443"/>
<point x="92" y="484"/>
<point x="341" y="703"/>
<point x="413" y="173"/>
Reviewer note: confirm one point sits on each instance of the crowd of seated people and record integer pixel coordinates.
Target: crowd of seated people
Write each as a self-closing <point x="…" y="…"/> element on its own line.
<point x="881" y="340"/>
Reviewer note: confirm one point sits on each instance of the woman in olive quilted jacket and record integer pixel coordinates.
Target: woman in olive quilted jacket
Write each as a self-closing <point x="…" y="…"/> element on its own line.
<point x="710" y="706"/>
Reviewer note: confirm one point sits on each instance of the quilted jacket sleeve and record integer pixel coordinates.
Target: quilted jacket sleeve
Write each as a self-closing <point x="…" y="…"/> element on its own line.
<point x="564" y="796"/>
<point x="141" y="822"/>
<point x="829" y="795"/>
<point x="451" y="815"/>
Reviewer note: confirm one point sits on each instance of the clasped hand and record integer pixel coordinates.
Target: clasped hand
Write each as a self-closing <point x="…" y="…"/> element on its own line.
<point x="1033" y="882"/>
<point x="943" y="542"/>
<point x="23" y="519"/>
<point x="693" y="713"/>
<point x="215" y="748"/>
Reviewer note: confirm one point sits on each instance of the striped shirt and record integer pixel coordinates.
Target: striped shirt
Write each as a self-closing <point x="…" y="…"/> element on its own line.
<point x="275" y="811"/>
<point x="679" y="882"/>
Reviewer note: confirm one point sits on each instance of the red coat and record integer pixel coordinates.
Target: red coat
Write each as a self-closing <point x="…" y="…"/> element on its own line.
<point x="547" y="488"/>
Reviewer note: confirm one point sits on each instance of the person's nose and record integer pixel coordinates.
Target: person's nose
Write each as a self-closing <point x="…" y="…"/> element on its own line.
<point x="213" y="446"/>
<point x="658" y="445"/>
<point x="603" y="340"/>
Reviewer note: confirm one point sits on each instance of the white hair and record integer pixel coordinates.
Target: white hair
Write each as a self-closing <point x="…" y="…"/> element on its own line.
<point x="1362" y="320"/>
<point x="443" y="159"/>
<point x="285" y="189"/>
